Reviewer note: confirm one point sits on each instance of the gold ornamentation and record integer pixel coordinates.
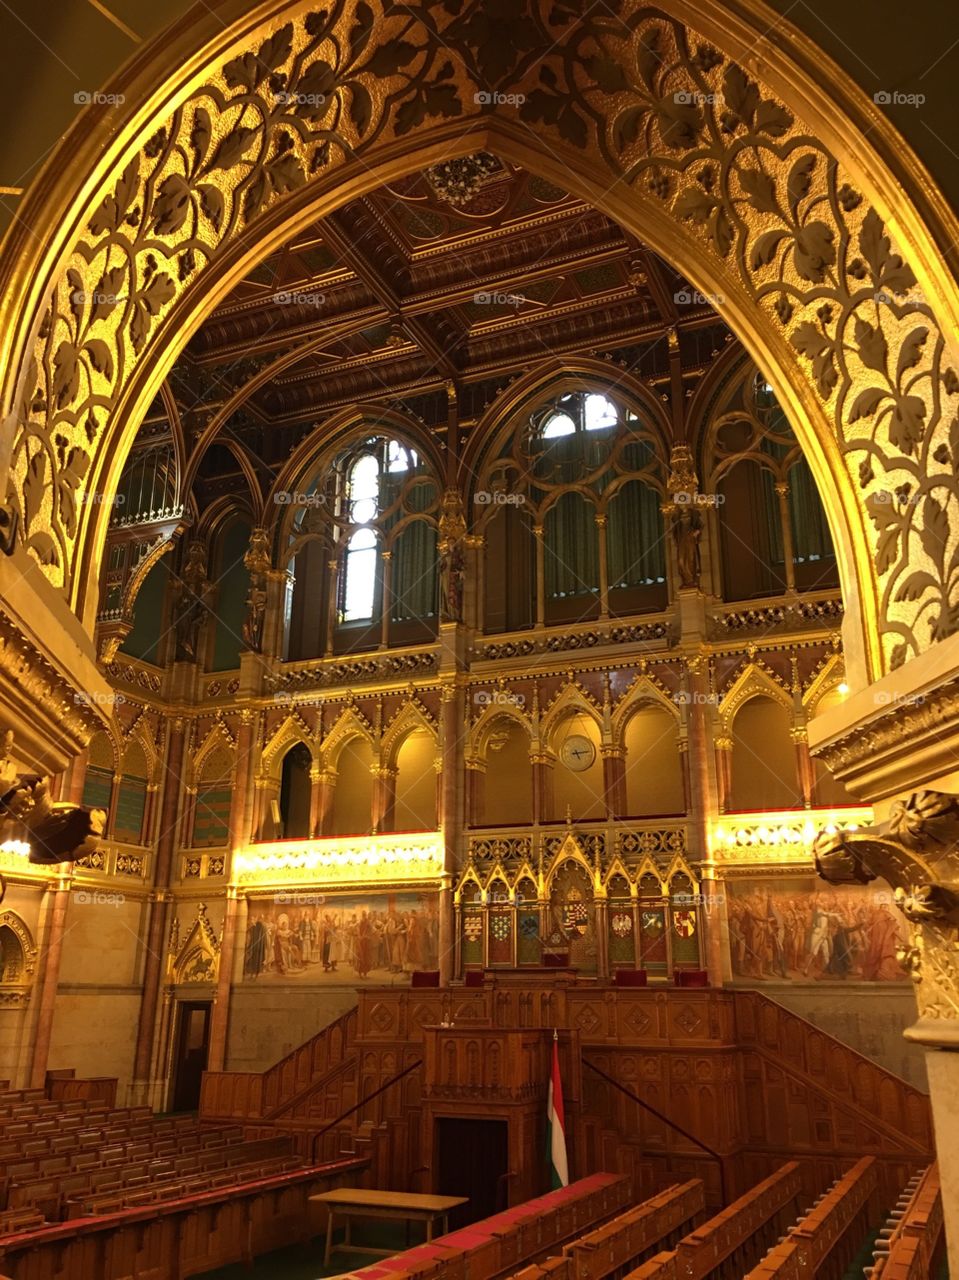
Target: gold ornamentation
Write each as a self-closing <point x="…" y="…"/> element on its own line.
<point x="641" y="98"/>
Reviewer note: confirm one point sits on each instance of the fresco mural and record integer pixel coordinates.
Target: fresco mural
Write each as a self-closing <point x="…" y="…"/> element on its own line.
<point x="341" y="938"/>
<point x="803" y="930"/>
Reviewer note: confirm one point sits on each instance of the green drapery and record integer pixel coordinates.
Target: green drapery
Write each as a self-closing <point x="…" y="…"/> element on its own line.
<point x="811" y="540"/>
<point x="635" y="552"/>
<point x="414" y="573"/>
<point x="571" y="548"/>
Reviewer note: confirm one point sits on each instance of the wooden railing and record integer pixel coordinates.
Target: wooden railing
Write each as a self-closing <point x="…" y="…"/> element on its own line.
<point x="827" y="1239"/>
<point x="247" y="1095"/>
<point x="910" y="1248"/>
<point x="723" y="1247"/>
<point x="630" y="1238"/>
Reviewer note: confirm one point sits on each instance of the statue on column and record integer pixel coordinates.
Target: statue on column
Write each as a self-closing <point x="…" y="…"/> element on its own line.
<point x="682" y="511"/>
<point x="687" y="531"/>
<point x="452" y="530"/>
<point x="191" y="602"/>
<point x="257" y="562"/>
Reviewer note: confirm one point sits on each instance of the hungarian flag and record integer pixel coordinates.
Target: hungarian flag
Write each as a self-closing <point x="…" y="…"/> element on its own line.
<point x="556" y="1125"/>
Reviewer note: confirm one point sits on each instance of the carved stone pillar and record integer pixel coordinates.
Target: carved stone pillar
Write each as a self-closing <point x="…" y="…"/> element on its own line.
<point x="805" y="772"/>
<point x="614" y="781"/>
<point x="703" y="800"/>
<point x="321" y="801"/>
<point x="724" y="772"/>
<point x="241" y="807"/>
<point x="157" y="930"/>
<point x="384" y="797"/>
<point x="386" y="559"/>
<point x="540" y="534"/>
<point x="476" y="791"/>
<point x="48" y="967"/>
<point x="114" y="801"/>
<point x="542" y="787"/>
<point x="76" y="778"/>
<point x="150" y="811"/>
<point x="603" y="568"/>
<point x="782" y="493"/>
<point x="451" y="815"/>
<point x="234" y="931"/>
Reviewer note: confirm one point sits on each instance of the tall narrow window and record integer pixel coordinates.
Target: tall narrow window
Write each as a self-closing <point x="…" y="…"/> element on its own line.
<point x="360" y="576"/>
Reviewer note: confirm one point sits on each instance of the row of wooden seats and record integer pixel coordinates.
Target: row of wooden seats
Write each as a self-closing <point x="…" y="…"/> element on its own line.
<point x="910" y="1246"/>
<point x="12" y="1220"/>
<point x="176" y="1187"/>
<point x="731" y="1241"/>
<point x="826" y="1240"/>
<point x="633" y="1236"/>
<point x="99" y="1146"/>
<point x="497" y="1246"/>
<point x="52" y="1193"/>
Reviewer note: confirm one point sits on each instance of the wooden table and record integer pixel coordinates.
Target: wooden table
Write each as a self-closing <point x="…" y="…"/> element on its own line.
<point x="352" y="1202"/>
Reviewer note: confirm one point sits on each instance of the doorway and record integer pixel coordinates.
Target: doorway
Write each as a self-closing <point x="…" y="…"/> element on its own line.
<point x="190" y="1050"/>
<point x="472" y="1159"/>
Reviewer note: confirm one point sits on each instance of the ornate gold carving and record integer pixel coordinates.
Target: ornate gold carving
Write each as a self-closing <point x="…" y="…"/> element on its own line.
<point x="642" y="99"/>
<point x="916" y="851"/>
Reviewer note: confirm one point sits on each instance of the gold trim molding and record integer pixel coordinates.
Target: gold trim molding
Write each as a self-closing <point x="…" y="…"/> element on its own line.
<point x="350" y="861"/>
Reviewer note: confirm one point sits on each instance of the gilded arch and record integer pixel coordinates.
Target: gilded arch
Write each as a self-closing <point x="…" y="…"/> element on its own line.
<point x="290" y="732"/>
<point x="769" y="194"/>
<point x="410" y="718"/>
<point x="752" y="682"/>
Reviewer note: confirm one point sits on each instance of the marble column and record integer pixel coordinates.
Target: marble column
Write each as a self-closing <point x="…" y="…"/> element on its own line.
<point x="805" y="772"/>
<point x="322" y="790"/>
<point x="241" y="822"/>
<point x="49" y="977"/>
<point x="614" y="781"/>
<point x="452" y="716"/>
<point x="157" y="929"/>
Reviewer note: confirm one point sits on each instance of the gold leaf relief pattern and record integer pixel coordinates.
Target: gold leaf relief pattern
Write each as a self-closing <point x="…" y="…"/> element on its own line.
<point x="646" y="101"/>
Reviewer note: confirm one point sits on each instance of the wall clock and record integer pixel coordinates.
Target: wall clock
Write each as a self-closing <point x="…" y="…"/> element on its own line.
<point x="577" y="753"/>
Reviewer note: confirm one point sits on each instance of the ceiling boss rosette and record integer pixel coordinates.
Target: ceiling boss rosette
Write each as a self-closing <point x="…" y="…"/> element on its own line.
<point x="619" y="95"/>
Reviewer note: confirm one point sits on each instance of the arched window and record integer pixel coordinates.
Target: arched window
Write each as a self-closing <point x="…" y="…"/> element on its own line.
<point x="570" y="515"/>
<point x="772" y="526"/>
<point x="371" y="515"/>
<point x="295" y="792"/>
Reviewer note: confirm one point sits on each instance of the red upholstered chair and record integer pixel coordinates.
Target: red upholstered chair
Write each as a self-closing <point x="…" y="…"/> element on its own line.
<point x="692" y="978"/>
<point x="630" y="977"/>
<point x="474" y="977"/>
<point x="425" y="978"/>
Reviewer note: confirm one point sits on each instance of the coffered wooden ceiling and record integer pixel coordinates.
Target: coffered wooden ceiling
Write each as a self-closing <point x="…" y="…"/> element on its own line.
<point x="401" y="294"/>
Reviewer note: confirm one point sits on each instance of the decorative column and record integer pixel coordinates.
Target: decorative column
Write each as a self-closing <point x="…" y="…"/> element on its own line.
<point x="603" y="568"/>
<point x="158" y="929"/>
<point x="476" y="791"/>
<point x="805" y="770"/>
<point x="451" y="813"/>
<point x="219" y="1020"/>
<point x="782" y="493"/>
<point x="150" y="812"/>
<point x="114" y="801"/>
<point x="387" y="601"/>
<point x="540" y="535"/>
<point x="724" y="771"/>
<point x="56" y="901"/>
<point x="333" y="569"/>
<point x="241" y="821"/>
<point x="542" y="787"/>
<point x="702" y="807"/>
<point x="323" y="784"/>
<point x="76" y="778"/>
<point x="614" y="781"/>
<point x="384" y="797"/>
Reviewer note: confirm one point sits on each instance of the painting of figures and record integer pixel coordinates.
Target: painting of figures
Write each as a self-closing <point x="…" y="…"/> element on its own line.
<point x="804" y="930"/>
<point x="304" y="937"/>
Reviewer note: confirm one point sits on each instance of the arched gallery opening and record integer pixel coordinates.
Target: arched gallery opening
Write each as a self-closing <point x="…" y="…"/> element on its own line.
<point x="479" y="624"/>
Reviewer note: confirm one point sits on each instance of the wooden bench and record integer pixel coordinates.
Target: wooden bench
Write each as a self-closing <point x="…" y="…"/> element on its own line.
<point x="826" y="1240"/>
<point x="911" y="1246"/>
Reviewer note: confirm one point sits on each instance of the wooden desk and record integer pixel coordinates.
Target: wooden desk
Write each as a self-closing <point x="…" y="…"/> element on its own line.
<point x="356" y="1203"/>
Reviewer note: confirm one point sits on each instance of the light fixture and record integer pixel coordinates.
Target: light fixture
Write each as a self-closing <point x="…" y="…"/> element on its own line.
<point x="843" y="688"/>
<point x="458" y="181"/>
